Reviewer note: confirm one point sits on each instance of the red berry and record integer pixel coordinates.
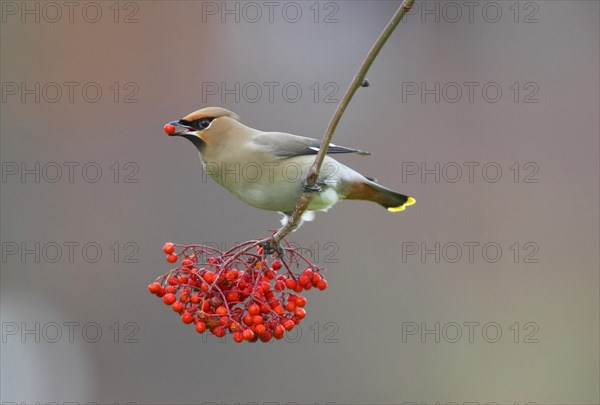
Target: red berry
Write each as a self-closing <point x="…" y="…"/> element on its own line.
<point x="177" y="307"/>
<point x="303" y="280"/>
<point x="219" y="331"/>
<point x="253" y="309"/>
<point x="186" y="262"/>
<point x="209" y="277"/>
<point x="238" y="337"/>
<point x="169" y="299"/>
<point x="187" y="318"/>
<point x="221" y="310"/>
<point x="233" y="296"/>
<point x="279" y="285"/>
<point x="195" y="298"/>
<point x="276" y="265"/>
<point x="172" y="258"/>
<point x="154" y="288"/>
<point x="266" y="336"/>
<point x="260" y="329"/>
<point x="170" y="129"/>
<point x="288" y="324"/>
<point x="168" y="248"/>
<point x="279" y="310"/>
<point x="299" y="313"/>
<point x="300" y="301"/>
<point x="322" y="284"/>
<point x="247" y="319"/>
<point x="290" y="283"/>
<point x="278" y="332"/>
<point x="248" y="334"/>
<point x="257" y="320"/>
<point x="290" y="306"/>
<point x="200" y="327"/>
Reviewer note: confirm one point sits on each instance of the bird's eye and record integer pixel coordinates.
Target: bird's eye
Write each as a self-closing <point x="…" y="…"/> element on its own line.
<point x="203" y="123"/>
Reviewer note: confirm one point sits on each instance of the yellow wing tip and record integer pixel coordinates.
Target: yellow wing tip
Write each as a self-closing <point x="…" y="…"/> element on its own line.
<point x="410" y="201"/>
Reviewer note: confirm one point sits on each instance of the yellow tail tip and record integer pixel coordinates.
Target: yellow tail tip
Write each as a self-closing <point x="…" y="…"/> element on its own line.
<point x="410" y="201"/>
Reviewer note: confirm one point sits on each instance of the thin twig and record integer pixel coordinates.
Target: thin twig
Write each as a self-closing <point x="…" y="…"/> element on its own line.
<point x="359" y="79"/>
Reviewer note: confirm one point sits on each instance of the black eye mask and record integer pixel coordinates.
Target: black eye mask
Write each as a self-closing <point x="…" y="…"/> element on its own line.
<point x="199" y="124"/>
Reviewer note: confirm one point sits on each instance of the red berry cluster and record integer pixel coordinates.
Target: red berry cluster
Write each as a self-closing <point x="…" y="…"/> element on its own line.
<point x="237" y="291"/>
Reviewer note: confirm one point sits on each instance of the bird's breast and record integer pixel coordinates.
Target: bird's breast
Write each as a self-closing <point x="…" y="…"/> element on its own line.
<point x="274" y="185"/>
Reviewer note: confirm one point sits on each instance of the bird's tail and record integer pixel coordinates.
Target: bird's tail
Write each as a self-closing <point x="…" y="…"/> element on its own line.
<point x="371" y="191"/>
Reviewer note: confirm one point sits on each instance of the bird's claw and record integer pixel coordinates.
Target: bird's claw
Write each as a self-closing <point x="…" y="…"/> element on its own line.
<point x="315" y="188"/>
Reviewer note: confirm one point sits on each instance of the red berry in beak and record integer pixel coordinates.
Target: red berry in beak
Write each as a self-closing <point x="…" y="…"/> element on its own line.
<point x="170" y="129"/>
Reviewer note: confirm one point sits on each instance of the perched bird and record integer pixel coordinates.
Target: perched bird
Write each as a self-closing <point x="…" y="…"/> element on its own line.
<point x="267" y="169"/>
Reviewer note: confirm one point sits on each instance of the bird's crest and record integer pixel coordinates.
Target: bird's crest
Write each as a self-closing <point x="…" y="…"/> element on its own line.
<point x="211" y="112"/>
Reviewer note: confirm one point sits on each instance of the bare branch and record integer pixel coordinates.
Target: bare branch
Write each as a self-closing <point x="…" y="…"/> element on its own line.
<point x="311" y="180"/>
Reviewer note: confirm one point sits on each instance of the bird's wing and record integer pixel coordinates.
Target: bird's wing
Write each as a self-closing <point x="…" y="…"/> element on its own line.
<point x="288" y="145"/>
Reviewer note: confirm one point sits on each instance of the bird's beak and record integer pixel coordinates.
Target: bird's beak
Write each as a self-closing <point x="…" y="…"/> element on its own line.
<point x="176" y="128"/>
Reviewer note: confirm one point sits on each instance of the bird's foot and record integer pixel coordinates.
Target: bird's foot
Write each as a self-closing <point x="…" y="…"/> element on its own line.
<point x="311" y="189"/>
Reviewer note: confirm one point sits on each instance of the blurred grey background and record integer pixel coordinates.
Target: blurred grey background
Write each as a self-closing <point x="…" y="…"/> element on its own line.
<point x="486" y="290"/>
